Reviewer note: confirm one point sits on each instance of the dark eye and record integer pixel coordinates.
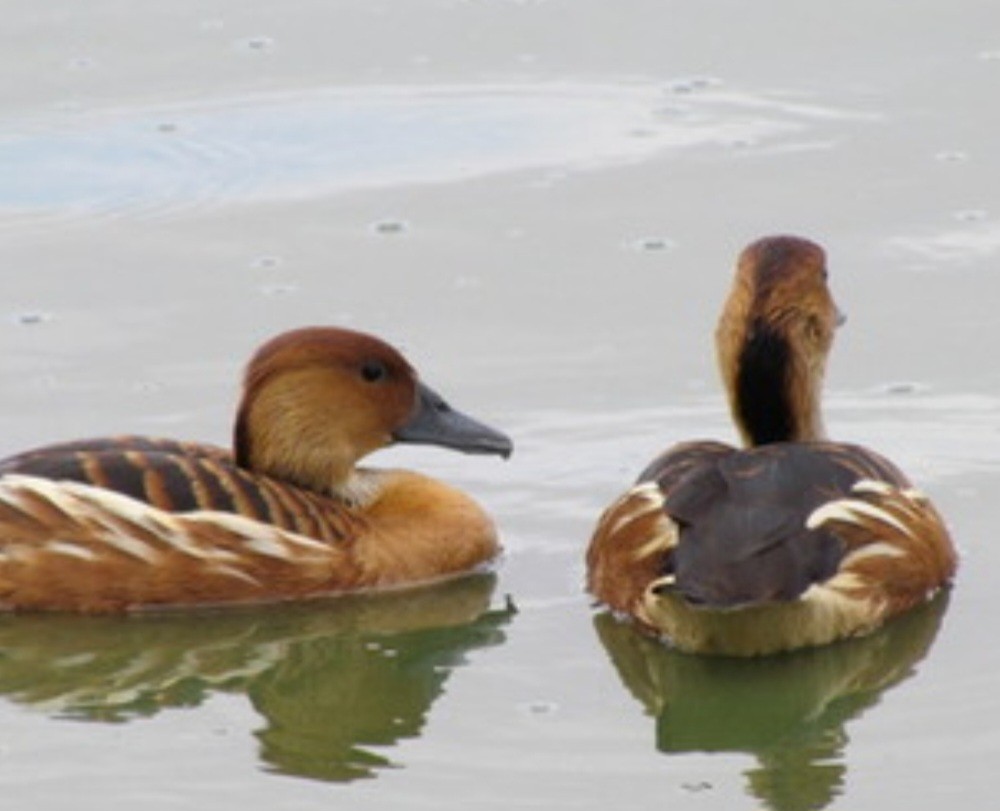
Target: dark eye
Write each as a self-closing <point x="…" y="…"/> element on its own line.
<point x="373" y="371"/>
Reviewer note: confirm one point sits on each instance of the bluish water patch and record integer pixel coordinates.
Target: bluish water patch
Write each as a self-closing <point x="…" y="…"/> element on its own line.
<point x="157" y="159"/>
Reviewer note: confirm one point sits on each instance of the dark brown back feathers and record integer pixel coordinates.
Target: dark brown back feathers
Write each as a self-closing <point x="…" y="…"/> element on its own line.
<point x="742" y="518"/>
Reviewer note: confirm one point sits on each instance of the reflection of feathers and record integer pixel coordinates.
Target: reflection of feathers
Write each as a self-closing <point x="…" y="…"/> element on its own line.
<point x="328" y="677"/>
<point x="385" y="686"/>
<point x="789" y="711"/>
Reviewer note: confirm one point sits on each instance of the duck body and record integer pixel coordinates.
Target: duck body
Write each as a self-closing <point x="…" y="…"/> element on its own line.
<point x="130" y="523"/>
<point x="790" y="541"/>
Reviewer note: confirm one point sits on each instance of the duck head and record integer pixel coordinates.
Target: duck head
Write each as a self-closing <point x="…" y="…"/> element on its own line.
<point x="773" y="339"/>
<point x="318" y="399"/>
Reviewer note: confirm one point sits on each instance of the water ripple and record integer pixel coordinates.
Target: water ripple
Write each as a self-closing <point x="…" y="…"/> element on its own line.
<point x="164" y="160"/>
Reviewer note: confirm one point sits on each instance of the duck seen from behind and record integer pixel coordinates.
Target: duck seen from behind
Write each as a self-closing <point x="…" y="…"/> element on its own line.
<point x="125" y="523"/>
<point x="793" y="540"/>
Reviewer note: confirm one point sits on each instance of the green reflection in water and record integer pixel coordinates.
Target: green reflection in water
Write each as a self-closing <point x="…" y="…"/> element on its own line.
<point x="789" y="711"/>
<point x="331" y="679"/>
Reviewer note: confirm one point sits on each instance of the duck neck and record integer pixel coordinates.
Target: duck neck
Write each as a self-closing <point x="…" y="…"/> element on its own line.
<point x="274" y="439"/>
<point x="774" y="392"/>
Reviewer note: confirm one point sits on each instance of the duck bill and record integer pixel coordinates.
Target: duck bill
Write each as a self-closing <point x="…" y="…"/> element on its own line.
<point x="434" y="422"/>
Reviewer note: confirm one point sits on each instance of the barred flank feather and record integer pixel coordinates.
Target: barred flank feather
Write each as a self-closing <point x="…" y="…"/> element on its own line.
<point x="62" y="537"/>
<point x="184" y="477"/>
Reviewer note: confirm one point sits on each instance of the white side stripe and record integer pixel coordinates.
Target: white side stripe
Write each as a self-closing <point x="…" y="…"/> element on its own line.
<point x="70" y="550"/>
<point x="850" y="510"/>
<point x="872" y="486"/>
<point x="106" y="517"/>
<point x="133" y="547"/>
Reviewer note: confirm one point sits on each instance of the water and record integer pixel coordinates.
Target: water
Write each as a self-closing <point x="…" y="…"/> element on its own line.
<point x="540" y="204"/>
<point x="164" y="161"/>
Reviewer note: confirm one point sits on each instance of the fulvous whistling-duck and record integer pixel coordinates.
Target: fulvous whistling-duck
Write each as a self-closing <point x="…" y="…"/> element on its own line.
<point x="123" y="523"/>
<point x="792" y="541"/>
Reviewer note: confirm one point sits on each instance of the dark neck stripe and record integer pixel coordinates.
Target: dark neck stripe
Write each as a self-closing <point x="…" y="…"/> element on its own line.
<point x="241" y="441"/>
<point x="762" y="399"/>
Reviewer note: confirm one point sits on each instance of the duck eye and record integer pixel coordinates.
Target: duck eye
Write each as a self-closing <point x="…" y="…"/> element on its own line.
<point x="373" y="371"/>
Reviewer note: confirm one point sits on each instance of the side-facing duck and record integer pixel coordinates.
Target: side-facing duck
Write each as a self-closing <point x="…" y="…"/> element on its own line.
<point x="793" y="540"/>
<point x="125" y="523"/>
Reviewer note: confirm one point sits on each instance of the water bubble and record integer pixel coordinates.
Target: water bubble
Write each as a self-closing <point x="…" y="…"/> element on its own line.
<point x="259" y="44"/>
<point x="902" y="387"/>
<point x="282" y="289"/>
<point x="389" y="227"/>
<point x="266" y="261"/>
<point x="468" y="282"/>
<point x="669" y="111"/>
<point x="541" y="707"/>
<point x="653" y="244"/>
<point x="692" y="84"/>
<point x="990" y="56"/>
<point x="971" y="215"/>
<point x="30" y="318"/>
<point x="46" y="381"/>
<point x="548" y="179"/>
<point x="82" y="63"/>
<point x="68" y="106"/>
<point x="147" y="387"/>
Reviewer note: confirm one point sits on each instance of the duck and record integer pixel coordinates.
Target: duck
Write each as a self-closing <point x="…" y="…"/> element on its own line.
<point x="131" y="523"/>
<point x="790" y="540"/>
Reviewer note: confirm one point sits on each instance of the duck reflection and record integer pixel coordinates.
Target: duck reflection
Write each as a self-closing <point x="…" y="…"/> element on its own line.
<point x="336" y="682"/>
<point x="789" y="711"/>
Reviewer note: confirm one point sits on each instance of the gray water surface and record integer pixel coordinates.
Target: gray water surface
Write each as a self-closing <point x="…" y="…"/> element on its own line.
<point x="540" y="203"/>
